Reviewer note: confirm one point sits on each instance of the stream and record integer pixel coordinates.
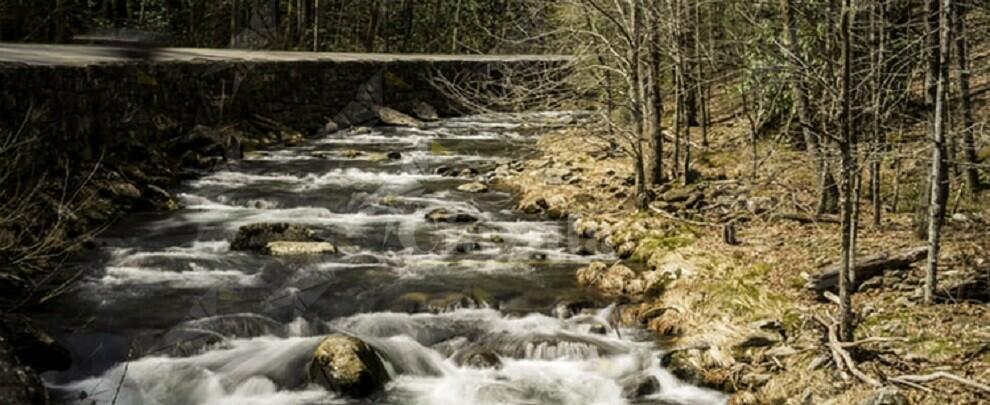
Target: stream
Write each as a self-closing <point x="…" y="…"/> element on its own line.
<point x="169" y="314"/>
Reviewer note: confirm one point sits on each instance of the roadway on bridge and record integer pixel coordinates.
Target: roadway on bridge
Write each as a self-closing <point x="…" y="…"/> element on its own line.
<point x="84" y="55"/>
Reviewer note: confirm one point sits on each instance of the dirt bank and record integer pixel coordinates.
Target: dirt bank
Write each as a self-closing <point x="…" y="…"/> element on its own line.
<point x="739" y="317"/>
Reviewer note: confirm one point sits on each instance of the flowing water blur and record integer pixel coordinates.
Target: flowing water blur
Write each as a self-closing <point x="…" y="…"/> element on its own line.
<point x="170" y="315"/>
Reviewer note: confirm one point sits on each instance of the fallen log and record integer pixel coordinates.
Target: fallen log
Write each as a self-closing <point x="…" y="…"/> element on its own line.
<point x="866" y="268"/>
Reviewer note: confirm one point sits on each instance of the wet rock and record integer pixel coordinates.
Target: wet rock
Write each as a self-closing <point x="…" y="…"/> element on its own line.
<point x="584" y="251"/>
<point x="467" y="247"/>
<point x="349" y="366"/>
<point x="443" y="171"/>
<point x="284" y="248"/>
<point x="468" y="172"/>
<point x="495" y="238"/>
<point x="570" y="307"/>
<point x="125" y="191"/>
<point x="481" y="297"/>
<point x="450" y="302"/>
<point x="425" y="111"/>
<point x="682" y="365"/>
<point x="395" y="118"/>
<point x="598" y="329"/>
<point x="257" y="236"/>
<point x="400" y="203"/>
<point x="533" y="205"/>
<point x="472" y="188"/>
<point x="886" y="396"/>
<point x="448" y="216"/>
<point x="291" y="138"/>
<point x="478" y="359"/>
<point x="394" y="156"/>
<point x="349" y="153"/>
<point x="539" y="256"/>
<point x="156" y="198"/>
<point x="330" y="127"/>
<point x="586" y="228"/>
<point x="640" y="386"/>
<point x="411" y="302"/>
<point x="450" y="347"/>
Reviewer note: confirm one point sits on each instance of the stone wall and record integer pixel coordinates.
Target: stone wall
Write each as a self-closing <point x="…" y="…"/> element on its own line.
<point x="83" y="109"/>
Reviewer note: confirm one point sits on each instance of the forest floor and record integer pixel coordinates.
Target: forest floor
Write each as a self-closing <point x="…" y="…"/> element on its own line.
<point x="739" y="317"/>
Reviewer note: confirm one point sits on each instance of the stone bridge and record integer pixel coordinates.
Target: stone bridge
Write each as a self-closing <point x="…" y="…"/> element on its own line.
<point x="84" y="97"/>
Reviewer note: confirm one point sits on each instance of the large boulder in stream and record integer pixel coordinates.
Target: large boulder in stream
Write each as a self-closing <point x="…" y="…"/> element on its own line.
<point x="349" y="366"/>
<point x="256" y="237"/>
<point x="395" y="118"/>
<point x="425" y="111"/>
<point x="474" y="187"/>
<point x="445" y="215"/>
<point x="283" y="248"/>
<point x="477" y="358"/>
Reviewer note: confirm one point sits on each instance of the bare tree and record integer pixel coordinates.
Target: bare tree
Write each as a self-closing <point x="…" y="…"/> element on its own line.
<point x="965" y="97"/>
<point x="847" y="149"/>
<point x="939" y="177"/>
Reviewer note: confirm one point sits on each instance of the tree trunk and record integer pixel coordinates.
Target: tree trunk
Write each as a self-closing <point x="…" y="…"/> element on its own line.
<point x="372" y="33"/>
<point x="801" y="103"/>
<point x="636" y="91"/>
<point x="457" y="23"/>
<point x="968" y="121"/>
<point x="690" y="89"/>
<point x="654" y="155"/>
<point x="931" y="45"/>
<point x="939" y="179"/>
<point x="316" y="25"/>
<point x="848" y="180"/>
<point x="879" y="40"/>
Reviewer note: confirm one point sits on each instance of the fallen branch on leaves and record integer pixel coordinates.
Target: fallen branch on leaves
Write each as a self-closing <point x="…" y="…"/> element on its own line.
<point x="915" y="380"/>
<point x="843" y="361"/>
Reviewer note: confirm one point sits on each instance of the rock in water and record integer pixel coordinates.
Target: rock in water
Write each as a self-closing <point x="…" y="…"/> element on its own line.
<point x="472" y="188"/>
<point x="392" y="117"/>
<point x="640" y="386"/>
<point x="445" y="215"/>
<point x="257" y="236"/>
<point x="284" y="248"/>
<point x="425" y="111"/>
<point x="349" y="366"/>
<point x="478" y="359"/>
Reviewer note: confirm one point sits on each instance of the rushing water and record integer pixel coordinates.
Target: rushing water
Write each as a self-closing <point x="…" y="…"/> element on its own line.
<point x="170" y="315"/>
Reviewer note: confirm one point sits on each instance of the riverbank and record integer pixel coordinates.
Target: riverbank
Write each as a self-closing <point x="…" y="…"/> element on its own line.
<point x="739" y="317"/>
<point x="49" y="220"/>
